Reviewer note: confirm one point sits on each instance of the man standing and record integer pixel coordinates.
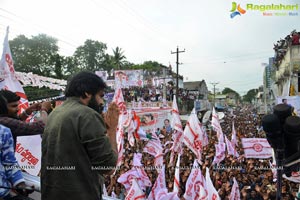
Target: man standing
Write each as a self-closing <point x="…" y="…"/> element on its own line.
<point x="78" y="146"/>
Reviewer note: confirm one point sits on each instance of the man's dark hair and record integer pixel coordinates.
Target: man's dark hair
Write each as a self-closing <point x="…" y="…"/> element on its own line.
<point x="3" y="105"/>
<point x="283" y="100"/>
<point x="84" y="82"/>
<point x="9" y="96"/>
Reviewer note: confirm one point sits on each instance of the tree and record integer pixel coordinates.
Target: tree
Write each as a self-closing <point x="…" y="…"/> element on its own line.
<point x="34" y="55"/>
<point x="90" y="56"/>
<point x="251" y="94"/>
<point x="229" y="90"/>
<point x="118" y="58"/>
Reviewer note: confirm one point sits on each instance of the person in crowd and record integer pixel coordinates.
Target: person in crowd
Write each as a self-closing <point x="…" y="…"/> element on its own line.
<point x="78" y="144"/>
<point x="9" y="117"/>
<point x="11" y="175"/>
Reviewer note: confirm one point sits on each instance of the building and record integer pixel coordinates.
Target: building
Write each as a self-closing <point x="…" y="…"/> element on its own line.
<point x="198" y="87"/>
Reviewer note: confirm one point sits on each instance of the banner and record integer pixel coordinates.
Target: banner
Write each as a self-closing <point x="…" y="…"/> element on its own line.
<point x="293" y="101"/>
<point x="28" y="153"/>
<point x="256" y="148"/>
<point x="153" y="118"/>
<point x="127" y="78"/>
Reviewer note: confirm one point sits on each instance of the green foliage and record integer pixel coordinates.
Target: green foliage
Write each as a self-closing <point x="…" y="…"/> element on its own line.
<point x="89" y="56"/>
<point x="34" y="55"/>
<point x="229" y="90"/>
<point x="118" y="58"/>
<point x="250" y="96"/>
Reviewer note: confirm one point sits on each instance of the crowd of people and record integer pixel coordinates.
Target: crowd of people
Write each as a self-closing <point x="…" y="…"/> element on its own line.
<point x="254" y="176"/>
<point x="82" y="130"/>
<point x="282" y="45"/>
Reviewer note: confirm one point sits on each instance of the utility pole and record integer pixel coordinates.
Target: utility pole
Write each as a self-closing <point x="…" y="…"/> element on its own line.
<point x="177" y="63"/>
<point x="214" y="84"/>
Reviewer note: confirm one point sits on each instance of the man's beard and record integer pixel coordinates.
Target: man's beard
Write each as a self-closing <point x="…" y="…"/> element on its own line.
<point x="94" y="105"/>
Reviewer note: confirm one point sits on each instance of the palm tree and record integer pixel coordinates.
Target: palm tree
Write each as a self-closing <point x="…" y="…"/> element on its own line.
<point x="118" y="57"/>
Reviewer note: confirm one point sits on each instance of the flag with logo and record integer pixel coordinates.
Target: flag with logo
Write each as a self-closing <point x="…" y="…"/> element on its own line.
<point x="195" y="185"/>
<point x="193" y="135"/>
<point x="8" y="79"/>
<point x="220" y="153"/>
<point x="211" y="190"/>
<point x="135" y="192"/>
<point x="256" y="148"/>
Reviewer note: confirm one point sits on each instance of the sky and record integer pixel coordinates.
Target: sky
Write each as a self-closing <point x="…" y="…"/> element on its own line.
<point x="218" y="49"/>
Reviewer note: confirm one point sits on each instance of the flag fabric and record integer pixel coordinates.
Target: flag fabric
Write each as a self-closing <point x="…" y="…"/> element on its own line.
<point x="175" y="120"/>
<point x="135" y="192"/>
<point x="273" y="166"/>
<point x="220" y="153"/>
<point x="216" y="126"/>
<point x="211" y="190"/>
<point x="153" y="147"/>
<point x="193" y="135"/>
<point x="176" y="184"/>
<point x="104" y="190"/>
<point x="137" y="157"/>
<point x="235" y="191"/>
<point x="130" y="131"/>
<point x="137" y="173"/>
<point x="8" y="79"/>
<point x="230" y="148"/>
<point x="233" y="136"/>
<point x="159" y="188"/>
<point x="256" y="148"/>
<point x="195" y="184"/>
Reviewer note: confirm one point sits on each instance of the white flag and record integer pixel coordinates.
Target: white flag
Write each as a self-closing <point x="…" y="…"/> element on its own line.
<point x="175" y="120"/>
<point x="193" y="135"/>
<point x="195" y="184"/>
<point x="8" y="79"/>
<point x="220" y="153"/>
<point x="159" y="188"/>
<point x="235" y="191"/>
<point x="233" y="136"/>
<point x="212" y="192"/>
<point x="176" y="184"/>
<point x="135" y="192"/>
<point x="256" y="148"/>
<point x="216" y="125"/>
<point x="230" y="148"/>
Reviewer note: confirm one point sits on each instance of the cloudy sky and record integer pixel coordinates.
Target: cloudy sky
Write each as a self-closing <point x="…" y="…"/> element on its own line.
<point x="217" y="48"/>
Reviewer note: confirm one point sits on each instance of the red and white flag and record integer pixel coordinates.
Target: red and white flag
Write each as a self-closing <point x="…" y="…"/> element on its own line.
<point x="159" y="188"/>
<point x="135" y="192"/>
<point x="153" y="147"/>
<point x="176" y="184"/>
<point x="273" y="165"/>
<point x="216" y="125"/>
<point x="193" y="135"/>
<point x="135" y="173"/>
<point x="220" y="153"/>
<point x="177" y="133"/>
<point x="256" y="148"/>
<point x="235" y="191"/>
<point x="195" y="186"/>
<point x="137" y="157"/>
<point x="233" y="136"/>
<point x="211" y="190"/>
<point x="8" y="79"/>
<point x="175" y="120"/>
<point x="230" y="148"/>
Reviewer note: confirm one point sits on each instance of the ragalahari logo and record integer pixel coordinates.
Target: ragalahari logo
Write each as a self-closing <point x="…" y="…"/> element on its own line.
<point x="236" y="10"/>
